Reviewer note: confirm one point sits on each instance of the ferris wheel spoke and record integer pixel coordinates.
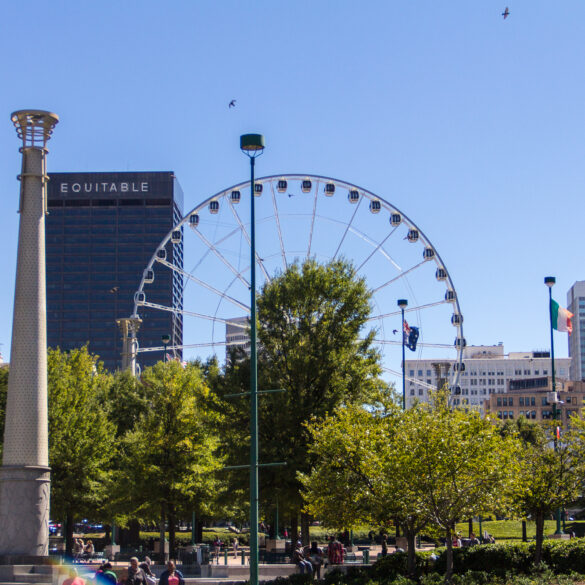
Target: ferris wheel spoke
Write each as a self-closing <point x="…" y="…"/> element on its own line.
<point x="219" y="255"/>
<point x="204" y="284"/>
<point x="183" y="312"/>
<point x="247" y="236"/>
<point x="313" y="219"/>
<point x="409" y="379"/>
<point x="190" y="346"/>
<point x="277" y="219"/>
<point x="407" y="310"/>
<point x="420" y="344"/>
<point x="378" y="247"/>
<point x="401" y="275"/>
<point x="347" y="228"/>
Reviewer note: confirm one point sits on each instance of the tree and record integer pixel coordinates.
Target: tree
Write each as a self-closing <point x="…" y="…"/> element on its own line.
<point x="170" y="456"/>
<point x="314" y="347"/>
<point x="81" y="438"/>
<point x="429" y="465"/>
<point x="551" y="472"/>
<point x="362" y="473"/>
<point x="461" y="464"/>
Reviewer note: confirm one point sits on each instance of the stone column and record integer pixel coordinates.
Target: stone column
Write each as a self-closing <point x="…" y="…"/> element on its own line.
<point x="25" y="473"/>
<point x="129" y="328"/>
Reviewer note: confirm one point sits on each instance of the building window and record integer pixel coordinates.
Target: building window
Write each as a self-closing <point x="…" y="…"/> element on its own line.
<point x="411" y="373"/>
<point x="420" y="391"/>
<point x="420" y="373"/>
<point x="521" y="402"/>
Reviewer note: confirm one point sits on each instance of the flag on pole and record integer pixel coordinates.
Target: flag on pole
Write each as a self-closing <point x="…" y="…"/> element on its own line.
<point x="410" y="336"/>
<point x="561" y="318"/>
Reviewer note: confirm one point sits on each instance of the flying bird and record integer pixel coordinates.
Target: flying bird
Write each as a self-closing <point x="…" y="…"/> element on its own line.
<point x="291" y="194"/>
<point x="395" y="331"/>
<point x="232" y="104"/>
<point x="506" y="13"/>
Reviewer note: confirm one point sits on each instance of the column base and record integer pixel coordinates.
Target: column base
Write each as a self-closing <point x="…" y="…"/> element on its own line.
<point x="24" y="512"/>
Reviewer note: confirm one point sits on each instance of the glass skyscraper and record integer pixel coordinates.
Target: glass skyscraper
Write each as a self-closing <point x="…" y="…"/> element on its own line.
<point x="101" y="231"/>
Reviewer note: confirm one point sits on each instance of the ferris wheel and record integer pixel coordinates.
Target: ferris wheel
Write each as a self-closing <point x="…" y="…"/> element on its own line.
<point x="300" y="217"/>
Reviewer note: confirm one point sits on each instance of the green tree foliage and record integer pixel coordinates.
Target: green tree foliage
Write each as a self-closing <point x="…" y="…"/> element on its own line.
<point x="463" y="464"/>
<point x="81" y="437"/>
<point x="427" y="465"/>
<point x="551" y="472"/>
<point x="169" y="458"/>
<point x="313" y="344"/>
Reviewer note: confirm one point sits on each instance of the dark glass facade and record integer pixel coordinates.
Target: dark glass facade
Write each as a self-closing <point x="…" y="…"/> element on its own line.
<point x="101" y="231"/>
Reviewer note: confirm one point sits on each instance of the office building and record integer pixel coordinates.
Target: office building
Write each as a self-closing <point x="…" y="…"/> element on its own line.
<point x="488" y="370"/>
<point x="533" y="399"/>
<point x="576" y="304"/>
<point x="101" y="231"/>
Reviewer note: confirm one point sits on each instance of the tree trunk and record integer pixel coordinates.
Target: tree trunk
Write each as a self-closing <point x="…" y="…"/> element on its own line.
<point x="134" y="532"/>
<point x="69" y="535"/>
<point x="162" y="548"/>
<point x="449" y="569"/>
<point x="172" y="547"/>
<point x="539" y="519"/>
<point x="294" y="527"/>
<point x="305" y="524"/>
<point x="411" y="553"/>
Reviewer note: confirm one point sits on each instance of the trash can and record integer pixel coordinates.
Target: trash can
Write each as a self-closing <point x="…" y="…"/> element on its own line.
<point x="203" y="554"/>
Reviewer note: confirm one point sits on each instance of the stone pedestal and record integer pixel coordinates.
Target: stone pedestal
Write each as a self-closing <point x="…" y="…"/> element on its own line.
<point x="24" y="510"/>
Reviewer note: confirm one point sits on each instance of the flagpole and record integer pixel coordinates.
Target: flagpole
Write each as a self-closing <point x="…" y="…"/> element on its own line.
<point x="550" y="281"/>
<point x="403" y="303"/>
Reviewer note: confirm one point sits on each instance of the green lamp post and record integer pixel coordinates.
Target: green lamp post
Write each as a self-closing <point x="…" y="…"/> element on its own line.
<point x="166" y="339"/>
<point x="403" y="303"/>
<point x="252" y="145"/>
<point x="550" y="282"/>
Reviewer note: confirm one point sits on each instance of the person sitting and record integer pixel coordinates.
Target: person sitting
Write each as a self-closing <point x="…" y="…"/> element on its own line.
<point x="88" y="550"/>
<point x="299" y="559"/>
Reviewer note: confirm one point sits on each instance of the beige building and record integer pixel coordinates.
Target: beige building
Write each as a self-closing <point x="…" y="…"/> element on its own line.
<point x="533" y="398"/>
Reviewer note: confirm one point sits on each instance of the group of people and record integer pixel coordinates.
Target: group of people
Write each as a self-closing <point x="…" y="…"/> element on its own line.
<point x="138" y="574"/>
<point x="311" y="559"/>
<point x="218" y="545"/>
<point x="83" y="550"/>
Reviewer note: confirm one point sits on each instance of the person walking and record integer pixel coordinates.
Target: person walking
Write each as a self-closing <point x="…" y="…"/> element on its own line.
<point x="136" y="576"/>
<point x="316" y="558"/>
<point x="171" y="576"/>
<point x="235" y="547"/>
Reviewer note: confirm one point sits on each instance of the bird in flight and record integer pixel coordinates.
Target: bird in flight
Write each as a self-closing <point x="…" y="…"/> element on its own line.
<point x="232" y="104"/>
<point x="394" y="331"/>
<point x="506" y="13"/>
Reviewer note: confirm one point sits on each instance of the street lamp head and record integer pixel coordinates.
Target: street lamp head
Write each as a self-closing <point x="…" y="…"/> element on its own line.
<point x="402" y="303"/>
<point x="549" y="281"/>
<point x="165" y="339"/>
<point x="252" y="144"/>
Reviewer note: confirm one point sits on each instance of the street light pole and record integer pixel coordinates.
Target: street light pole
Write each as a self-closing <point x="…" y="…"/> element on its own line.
<point x="166" y="339"/>
<point x="550" y="281"/>
<point x="403" y="303"/>
<point x="252" y="145"/>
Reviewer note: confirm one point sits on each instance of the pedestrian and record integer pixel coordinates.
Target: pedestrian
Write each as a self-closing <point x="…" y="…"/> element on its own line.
<point x="473" y="540"/>
<point x="136" y="576"/>
<point x="384" y="546"/>
<point x="316" y="558"/>
<point x="235" y="547"/>
<point x="73" y="578"/>
<point x="217" y="543"/>
<point x="145" y="566"/>
<point x="171" y="576"/>
<point x="78" y="548"/>
<point x="105" y="576"/>
<point x="335" y="552"/>
<point x="299" y="559"/>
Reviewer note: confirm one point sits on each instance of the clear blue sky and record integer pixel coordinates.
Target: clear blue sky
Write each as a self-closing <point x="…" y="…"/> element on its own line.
<point x="472" y="125"/>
